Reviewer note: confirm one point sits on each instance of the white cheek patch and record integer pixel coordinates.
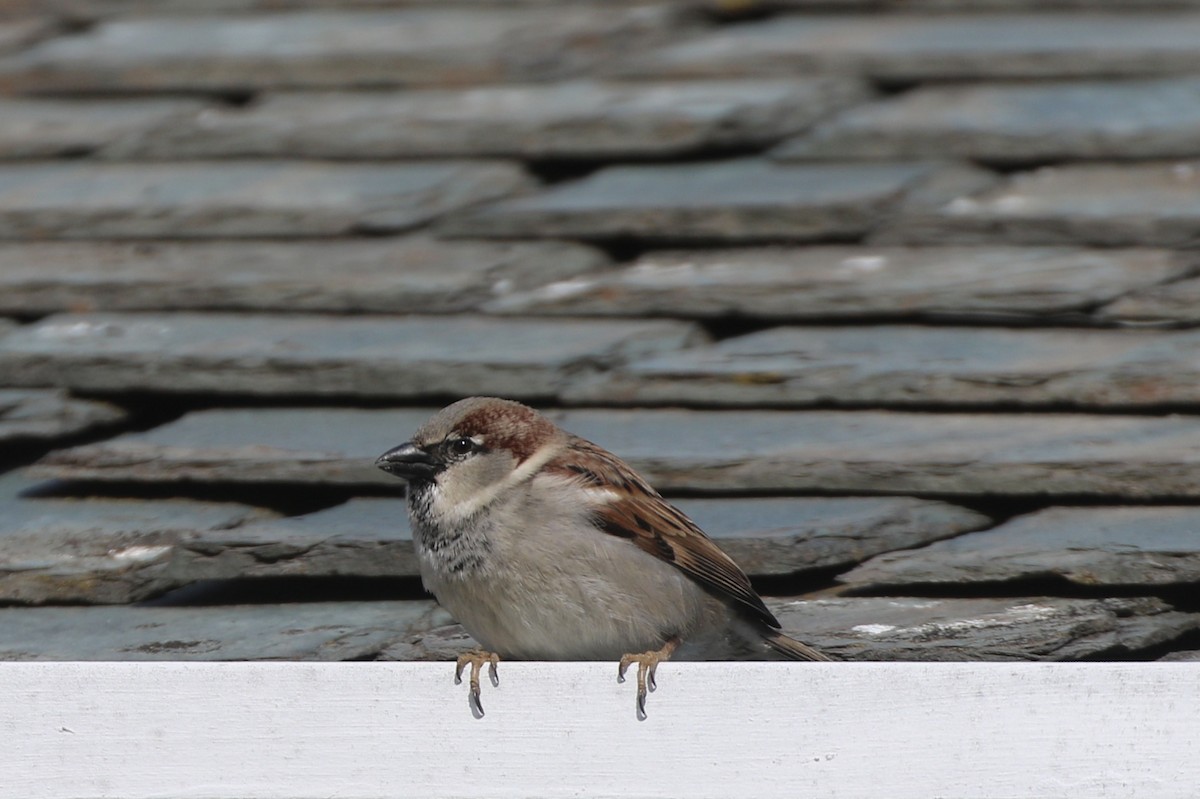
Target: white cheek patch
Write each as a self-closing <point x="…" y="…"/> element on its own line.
<point x="455" y="510"/>
<point x="451" y="500"/>
<point x="533" y="464"/>
<point x="445" y="505"/>
<point x="452" y="511"/>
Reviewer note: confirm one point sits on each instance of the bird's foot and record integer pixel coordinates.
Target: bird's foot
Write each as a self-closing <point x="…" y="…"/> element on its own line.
<point x="476" y="657"/>
<point x="647" y="666"/>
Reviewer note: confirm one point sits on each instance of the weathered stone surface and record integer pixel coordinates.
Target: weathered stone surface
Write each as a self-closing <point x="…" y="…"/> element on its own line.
<point x="1035" y="628"/>
<point x="327" y="445"/>
<point x="1174" y="303"/>
<point x="446" y="642"/>
<point x="100" y="551"/>
<point x="18" y="33"/>
<point x="49" y="414"/>
<point x="1101" y="204"/>
<point x="326" y="631"/>
<point x="1016" y="123"/>
<point x="739" y="200"/>
<point x="1191" y="656"/>
<point x="785" y="536"/>
<point x="49" y="129"/>
<point x="410" y="356"/>
<point x="329" y="49"/>
<point x="372" y="538"/>
<point x="100" y="9"/>
<point x="579" y="119"/>
<point x="928" y="5"/>
<point x="1148" y="546"/>
<point x="873" y="452"/>
<point x="16" y="483"/>
<point x="905" y="365"/>
<point x="949" y="183"/>
<point x="955" y="46"/>
<point x="364" y="537"/>
<point x="817" y="283"/>
<point x="393" y="275"/>
<point x="266" y="198"/>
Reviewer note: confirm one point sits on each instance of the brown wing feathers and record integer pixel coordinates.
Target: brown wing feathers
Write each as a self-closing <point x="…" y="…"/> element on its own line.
<point x="660" y="529"/>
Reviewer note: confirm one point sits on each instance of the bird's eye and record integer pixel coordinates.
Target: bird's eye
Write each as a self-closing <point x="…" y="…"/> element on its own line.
<point x="461" y="446"/>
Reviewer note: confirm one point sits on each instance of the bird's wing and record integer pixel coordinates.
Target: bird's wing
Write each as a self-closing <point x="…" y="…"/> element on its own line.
<point x="657" y="527"/>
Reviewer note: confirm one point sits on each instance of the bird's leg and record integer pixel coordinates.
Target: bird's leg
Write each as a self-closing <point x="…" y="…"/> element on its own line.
<point x="476" y="657"/>
<point x="647" y="666"/>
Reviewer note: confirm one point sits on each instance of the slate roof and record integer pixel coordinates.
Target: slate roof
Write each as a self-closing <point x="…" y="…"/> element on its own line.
<point x="898" y="299"/>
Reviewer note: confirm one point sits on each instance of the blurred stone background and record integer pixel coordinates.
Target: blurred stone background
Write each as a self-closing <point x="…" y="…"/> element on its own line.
<point x="898" y="298"/>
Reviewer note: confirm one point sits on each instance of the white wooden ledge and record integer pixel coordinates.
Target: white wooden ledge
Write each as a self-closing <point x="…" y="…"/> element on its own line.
<point x="864" y="730"/>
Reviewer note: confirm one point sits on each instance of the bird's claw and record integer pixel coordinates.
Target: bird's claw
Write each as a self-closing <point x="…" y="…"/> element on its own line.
<point x="477" y="658"/>
<point x="647" y="669"/>
<point x="647" y="662"/>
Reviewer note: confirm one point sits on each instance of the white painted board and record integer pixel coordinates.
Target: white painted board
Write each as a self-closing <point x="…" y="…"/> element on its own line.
<point x="864" y="730"/>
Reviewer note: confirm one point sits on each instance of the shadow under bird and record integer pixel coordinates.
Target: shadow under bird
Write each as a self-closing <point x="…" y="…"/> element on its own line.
<point x="545" y="546"/>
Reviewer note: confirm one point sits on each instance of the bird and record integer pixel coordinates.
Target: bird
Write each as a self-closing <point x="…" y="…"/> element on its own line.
<point x="545" y="546"/>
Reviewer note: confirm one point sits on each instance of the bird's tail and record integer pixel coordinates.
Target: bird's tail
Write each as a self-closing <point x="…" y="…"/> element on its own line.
<point x="792" y="649"/>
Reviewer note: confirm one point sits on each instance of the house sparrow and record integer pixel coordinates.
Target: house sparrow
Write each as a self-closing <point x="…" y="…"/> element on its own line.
<point x="547" y="547"/>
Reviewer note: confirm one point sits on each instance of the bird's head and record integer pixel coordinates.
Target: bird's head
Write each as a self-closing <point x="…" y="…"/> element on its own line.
<point x="472" y="450"/>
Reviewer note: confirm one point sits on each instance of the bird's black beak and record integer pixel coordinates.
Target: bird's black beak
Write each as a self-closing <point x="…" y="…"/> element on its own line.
<point x="408" y="461"/>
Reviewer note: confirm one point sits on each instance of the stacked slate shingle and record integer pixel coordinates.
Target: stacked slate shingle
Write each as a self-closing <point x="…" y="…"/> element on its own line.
<point x="898" y="299"/>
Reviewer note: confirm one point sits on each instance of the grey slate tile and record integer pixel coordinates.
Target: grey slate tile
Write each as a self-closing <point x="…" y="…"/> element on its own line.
<point x="17" y="33"/>
<point x="101" y="551"/>
<point x="261" y="199"/>
<point x="947" y="183"/>
<point x="309" y="355"/>
<point x="1109" y="205"/>
<point x="310" y="631"/>
<point x="974" y="5"/>
<point x="394" y="275"/>
<point x="921" y="629"/>
<point x="28" y="414"/>
<point x="900" y="365"/>
<point x="364" y="537"/>
<point x="446" y="642"/>
<point x="738" y="200"/>
<point x="577" y="119"/>
<point x="865" y="452"/>
<point x="905" y="47"/>
<point x="1016" y="123"/>
<point x="1142" y="546"/>
<point x="785" y="536"/>
<point x="370" y="537"/>
<point x="100" y="9"/>
<point x="818" y="283"/>
<point x="15" y="483"/>
<point x="288" y="445"/>
<point x="1173" y="303"/>
<point x="54" y="128"/>
<point x="431" y="45"/>
<point x="1005" y="629"/>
